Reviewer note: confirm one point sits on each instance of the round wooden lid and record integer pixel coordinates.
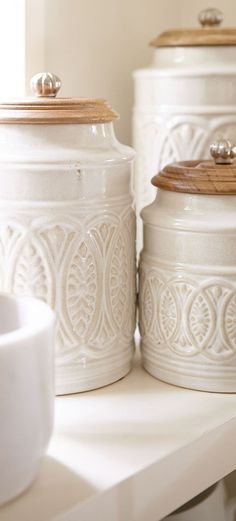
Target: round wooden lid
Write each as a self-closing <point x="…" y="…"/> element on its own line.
<point x="45" y="108"/>
<point x="216" y="177"/>
<point x="209" y="34"/>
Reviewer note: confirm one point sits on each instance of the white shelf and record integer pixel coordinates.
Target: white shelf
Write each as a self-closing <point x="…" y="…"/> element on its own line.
<point x="133" y="451"/>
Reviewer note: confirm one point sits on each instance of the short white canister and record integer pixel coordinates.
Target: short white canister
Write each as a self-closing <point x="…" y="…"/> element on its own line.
<point x="188" y="274"/>
<point x="67" y="228"/>
<point x="185" y="100"/>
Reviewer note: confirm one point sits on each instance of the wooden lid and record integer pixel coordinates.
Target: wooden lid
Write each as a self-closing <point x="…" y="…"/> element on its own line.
<point x="209" y="34"/>
<point x="216" y="177"/>
<point x="45" y="108"/>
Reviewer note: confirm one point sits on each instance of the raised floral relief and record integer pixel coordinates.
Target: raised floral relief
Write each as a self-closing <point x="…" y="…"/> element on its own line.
<point x="81" y="291"/>
<point x="167" y="313"/>
<point x="200" y="319"/>
<point x="230" y="320"/>
<point x="146" y="317"/>
<point x="119" y="281"/>
<point x="189" y="316"/>
<point x="82" y="266"/>
<point x="30" y="276"/>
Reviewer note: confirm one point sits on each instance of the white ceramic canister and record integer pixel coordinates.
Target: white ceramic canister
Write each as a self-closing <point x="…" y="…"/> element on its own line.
<point x="67" y="228"/>
<point x="185" y="100"/>
<point x="188" y="274"/>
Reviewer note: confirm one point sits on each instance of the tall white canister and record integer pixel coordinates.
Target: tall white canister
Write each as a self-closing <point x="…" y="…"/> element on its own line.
<point x="188" y="274"/>
<point x="184" y="100"/>
<point x="67" y="228"/>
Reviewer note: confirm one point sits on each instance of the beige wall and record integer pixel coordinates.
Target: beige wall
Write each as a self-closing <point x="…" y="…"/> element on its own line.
<point x="94" y="45"/>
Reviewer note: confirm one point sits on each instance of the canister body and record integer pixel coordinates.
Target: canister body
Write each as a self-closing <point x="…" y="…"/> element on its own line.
<point x="67" y="235"/>
<point x="188" y="290"/>
<point x="183" y="101"/>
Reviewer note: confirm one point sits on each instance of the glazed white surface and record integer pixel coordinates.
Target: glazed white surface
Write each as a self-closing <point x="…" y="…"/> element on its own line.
<point x="68" y="236"/>
<point x="183" y="101"/>
<point x="188" y="290"/>
<point x="26" y="390"/>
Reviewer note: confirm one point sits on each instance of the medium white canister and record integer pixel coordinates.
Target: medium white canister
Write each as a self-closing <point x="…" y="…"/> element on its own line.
<point x="67" y="228"/>
<point x="188" y="274"/>
<point x="184" y="100"/>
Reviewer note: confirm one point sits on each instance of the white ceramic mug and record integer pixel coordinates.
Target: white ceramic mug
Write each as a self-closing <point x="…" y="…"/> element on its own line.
<point x="26" y="390"/>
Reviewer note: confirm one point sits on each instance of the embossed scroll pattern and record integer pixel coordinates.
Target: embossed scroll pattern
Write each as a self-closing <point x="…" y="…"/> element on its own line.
<point x="83" y="266"/>
<point x="187" y="316"/>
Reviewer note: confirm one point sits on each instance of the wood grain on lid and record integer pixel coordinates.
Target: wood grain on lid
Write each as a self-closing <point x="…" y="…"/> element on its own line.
<point x="56" y="111"/>
<point x="195" y="37"/>
<point x="197" y="177"/>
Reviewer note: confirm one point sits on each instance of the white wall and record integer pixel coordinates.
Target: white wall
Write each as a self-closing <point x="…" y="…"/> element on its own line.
<point x="94" y="45"/>
<point x="12" y="48"/>
<point x="35" y="21"/>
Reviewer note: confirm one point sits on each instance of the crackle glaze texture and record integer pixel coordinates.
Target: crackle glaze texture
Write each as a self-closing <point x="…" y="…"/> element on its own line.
<point x="183" y="102"/>
<point x="188" y="291"/>
<point x="79" y="257"/>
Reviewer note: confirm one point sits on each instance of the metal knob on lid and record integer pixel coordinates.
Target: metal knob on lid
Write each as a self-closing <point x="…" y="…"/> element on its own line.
<point x="45" y="84"/>
<point x="47" y="109"/>
<point x="223" y="151"/>
<point x="210" y="17"/>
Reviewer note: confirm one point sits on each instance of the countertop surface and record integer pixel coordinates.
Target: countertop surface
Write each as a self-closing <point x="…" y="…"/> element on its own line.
<point x="132" y="451"/>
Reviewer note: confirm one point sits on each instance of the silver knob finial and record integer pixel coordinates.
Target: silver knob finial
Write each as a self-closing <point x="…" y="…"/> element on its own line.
<point x="45" y="84"/>
<point x="223" y="152"/>
<point x="210" y="17"/>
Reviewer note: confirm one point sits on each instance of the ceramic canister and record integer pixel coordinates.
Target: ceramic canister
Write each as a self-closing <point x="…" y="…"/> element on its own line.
<point x="185" y="100"/>
<point x="67" y="228"/>
<point x="188" y="274"/>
